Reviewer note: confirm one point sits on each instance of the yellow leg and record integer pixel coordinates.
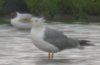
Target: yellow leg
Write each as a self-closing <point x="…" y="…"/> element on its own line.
<point x="52" y="55"/>
<point x="49" y="56"/>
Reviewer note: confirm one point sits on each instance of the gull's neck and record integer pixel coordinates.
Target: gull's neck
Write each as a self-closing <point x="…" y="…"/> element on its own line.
<point x="37" y="28"/>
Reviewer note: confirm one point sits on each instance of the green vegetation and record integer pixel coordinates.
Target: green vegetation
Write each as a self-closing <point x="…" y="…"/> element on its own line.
<point x="66" y="10"/>
<point x="1" y="3"/>
<point x="2" y="21"/>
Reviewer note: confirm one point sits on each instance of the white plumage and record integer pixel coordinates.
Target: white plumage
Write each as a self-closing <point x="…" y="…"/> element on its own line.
<point x="37" y="33"/>
<point x="22" y="21"/>
<point x="37" y="38"/>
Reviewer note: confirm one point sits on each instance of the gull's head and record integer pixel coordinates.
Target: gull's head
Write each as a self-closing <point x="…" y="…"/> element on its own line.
<point x="37" y="22"/>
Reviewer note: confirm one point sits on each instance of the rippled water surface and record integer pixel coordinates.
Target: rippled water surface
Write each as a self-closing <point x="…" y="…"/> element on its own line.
<point x="16" y="47"/>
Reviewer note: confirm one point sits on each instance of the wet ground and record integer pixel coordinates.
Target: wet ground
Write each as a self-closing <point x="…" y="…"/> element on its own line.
<point x="16" y="47"/>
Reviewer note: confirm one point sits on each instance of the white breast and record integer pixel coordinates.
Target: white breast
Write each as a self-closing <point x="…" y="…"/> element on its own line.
<point x="37" y="38"/>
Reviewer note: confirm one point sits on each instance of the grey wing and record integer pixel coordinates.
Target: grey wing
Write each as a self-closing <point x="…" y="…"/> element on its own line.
<point x="58" y="39"/>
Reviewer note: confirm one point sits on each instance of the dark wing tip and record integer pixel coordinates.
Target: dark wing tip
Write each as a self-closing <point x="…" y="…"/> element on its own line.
<point x="86" y="43"/>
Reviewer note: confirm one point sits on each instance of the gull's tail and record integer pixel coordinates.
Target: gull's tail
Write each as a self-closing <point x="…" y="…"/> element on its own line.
<point x="85" y="43"/>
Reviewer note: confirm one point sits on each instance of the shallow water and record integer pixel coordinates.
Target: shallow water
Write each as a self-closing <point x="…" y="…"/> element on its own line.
<point x="16" y="47"/>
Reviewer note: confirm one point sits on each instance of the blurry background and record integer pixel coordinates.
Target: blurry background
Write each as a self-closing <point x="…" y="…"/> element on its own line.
<point x="58" y="10"/>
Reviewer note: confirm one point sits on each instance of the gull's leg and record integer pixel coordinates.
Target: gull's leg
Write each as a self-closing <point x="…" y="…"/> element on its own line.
<point x="52" y="55"/>
<point x="49" y="55"/>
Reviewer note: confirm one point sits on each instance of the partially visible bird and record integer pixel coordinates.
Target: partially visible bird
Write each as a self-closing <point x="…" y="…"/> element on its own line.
<point x="51" y="40"/>
<point x="22" y="20"/>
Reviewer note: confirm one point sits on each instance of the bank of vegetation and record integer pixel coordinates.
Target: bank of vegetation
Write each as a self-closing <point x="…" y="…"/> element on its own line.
<point x="65" y="9"/>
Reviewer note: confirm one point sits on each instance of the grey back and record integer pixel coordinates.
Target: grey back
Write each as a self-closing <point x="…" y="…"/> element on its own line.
<point x="59" y="40"/>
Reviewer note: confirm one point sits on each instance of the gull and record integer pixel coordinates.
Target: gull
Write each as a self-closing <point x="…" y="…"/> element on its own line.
<point x="22" y="20"/>
<point x="52" y="40"/>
